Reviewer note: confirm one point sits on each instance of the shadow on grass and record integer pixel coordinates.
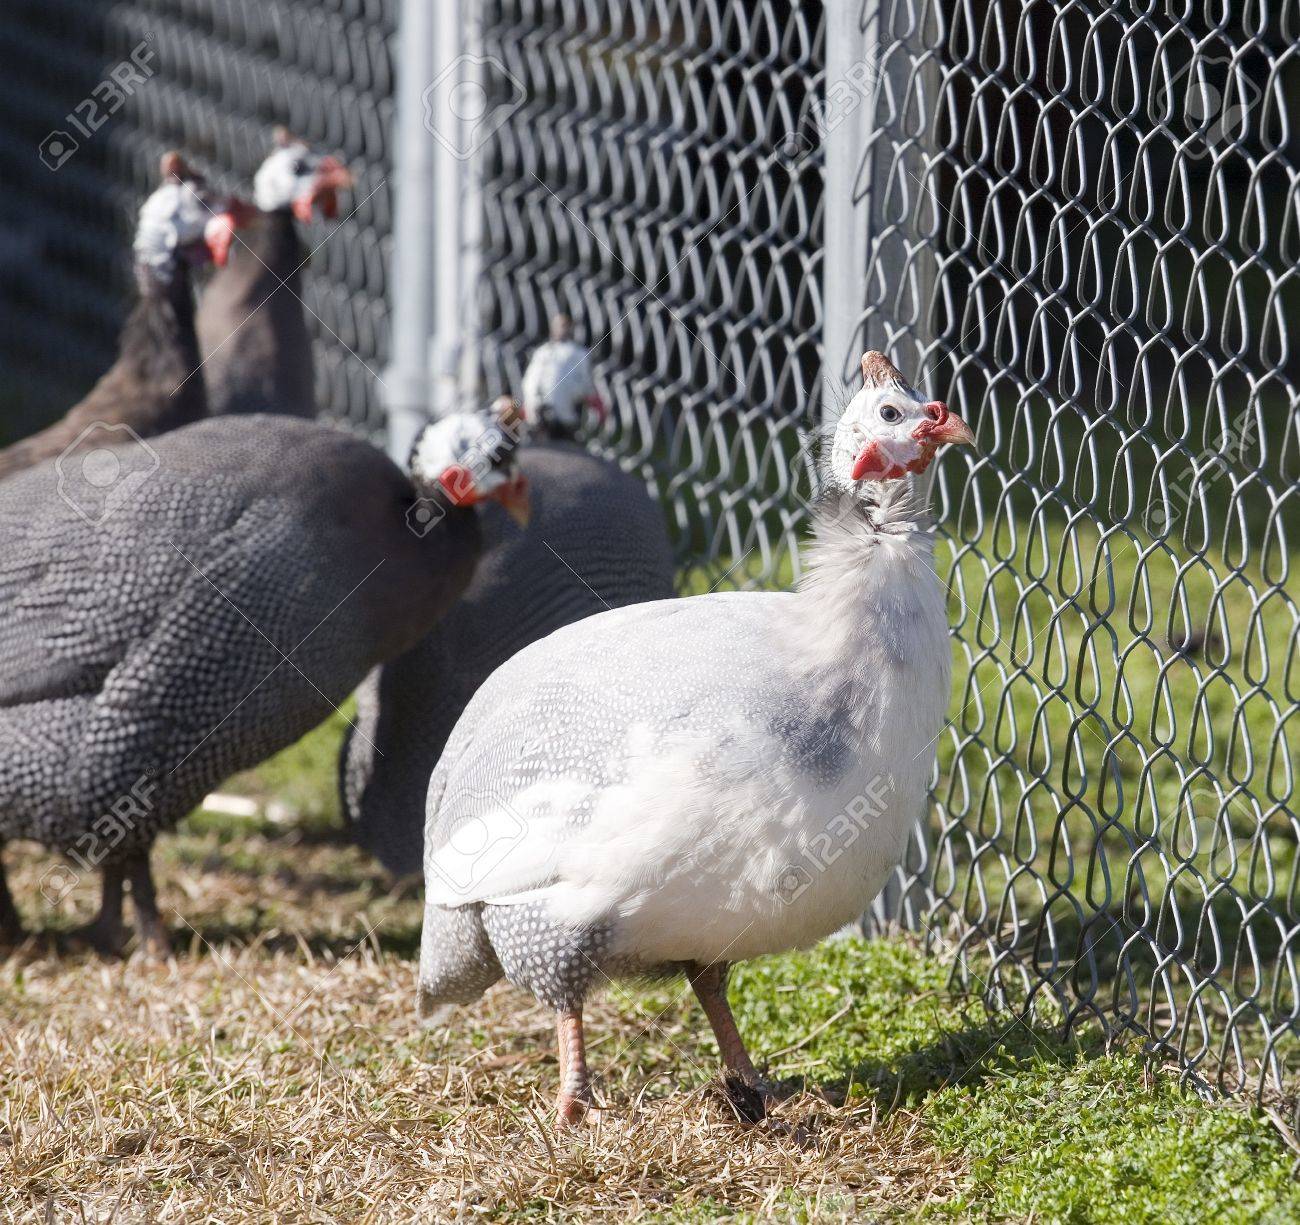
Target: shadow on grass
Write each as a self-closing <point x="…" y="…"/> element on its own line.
<point x="199" y="939"/>
<point x="985" y="1048"/>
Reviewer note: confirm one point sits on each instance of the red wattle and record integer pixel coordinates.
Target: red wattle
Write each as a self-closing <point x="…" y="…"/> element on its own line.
<point x="868" y="462"/>
<point x="458" y="481"/>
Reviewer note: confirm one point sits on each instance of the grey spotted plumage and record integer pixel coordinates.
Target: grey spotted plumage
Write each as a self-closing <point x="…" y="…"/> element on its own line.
<point x="238" y="592"/>
<point x="674" y="786"/>
<point x="596" y="540"/>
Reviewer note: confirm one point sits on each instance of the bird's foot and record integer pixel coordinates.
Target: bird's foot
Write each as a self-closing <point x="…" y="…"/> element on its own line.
<point x="12" y="936"/>
<point x="107" y="938"/>
<point x="155" y="940"/>
<point x="574" y="1108"/>
<point x="750" y="1097"/>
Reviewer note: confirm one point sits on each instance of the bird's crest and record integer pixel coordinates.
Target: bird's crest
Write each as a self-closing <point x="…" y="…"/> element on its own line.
<point x="879" y="371"/>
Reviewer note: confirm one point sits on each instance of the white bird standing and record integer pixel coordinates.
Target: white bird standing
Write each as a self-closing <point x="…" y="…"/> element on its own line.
<point x="671" y="787"/>
<point x="558" y="384"/>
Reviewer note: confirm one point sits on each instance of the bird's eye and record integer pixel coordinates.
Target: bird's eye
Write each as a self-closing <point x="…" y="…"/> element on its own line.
<point x="299" y="168"/>
<point x="891" y="414"/>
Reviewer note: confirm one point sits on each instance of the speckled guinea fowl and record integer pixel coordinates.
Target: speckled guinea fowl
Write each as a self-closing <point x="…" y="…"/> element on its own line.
<point x="150" y="388"/>
<point x="559" y="387"/>
<point x="252" y="325"/>
<point x="596" y="541"/>
<point x="674" y="786"/>
<point x="213" y="617"/>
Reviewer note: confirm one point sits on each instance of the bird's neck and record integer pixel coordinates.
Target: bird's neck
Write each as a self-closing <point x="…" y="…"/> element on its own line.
<point x="870" y="579"/>
<point x="257" y="326"/>
<point x="153" y="386"/>
<point x="272" y="252"/>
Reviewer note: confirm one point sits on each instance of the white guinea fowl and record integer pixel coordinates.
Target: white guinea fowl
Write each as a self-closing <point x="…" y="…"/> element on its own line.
<point x="558" y="384"/>
<point x="674" y="786"/>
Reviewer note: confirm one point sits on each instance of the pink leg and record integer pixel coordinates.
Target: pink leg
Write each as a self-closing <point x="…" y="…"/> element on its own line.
<point x="710" y="984"/>
<point x="575" y="1087"/>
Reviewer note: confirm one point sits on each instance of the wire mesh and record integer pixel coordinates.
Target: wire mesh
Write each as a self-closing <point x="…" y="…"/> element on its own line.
<point x="1103" y="206"/>
<point x="1082" y="229"/>
<point x="79" y="151"/>
<point x="644" y="181"/>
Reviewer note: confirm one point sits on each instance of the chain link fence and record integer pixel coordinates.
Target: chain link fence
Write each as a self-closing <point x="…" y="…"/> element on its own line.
<point x="650" y="181"/>
<point x="94" y="93"/>
<point x="1078" y="224"/>
<point x="1099" y="210"/>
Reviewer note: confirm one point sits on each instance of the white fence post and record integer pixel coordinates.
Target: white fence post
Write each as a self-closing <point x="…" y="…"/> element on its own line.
<point x="406" y="378"/>
<point x="846" y="225"/>
<point x="435" y="224"/>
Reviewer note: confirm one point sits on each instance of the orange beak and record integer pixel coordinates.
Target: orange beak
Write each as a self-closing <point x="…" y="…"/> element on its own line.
<point x="943" y="427"/>
<point x="219" y="233"/>
<point x="515" y="497"/>
<point x="332" y="176"/>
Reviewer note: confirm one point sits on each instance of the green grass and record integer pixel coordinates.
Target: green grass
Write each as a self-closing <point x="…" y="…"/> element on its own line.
<point x="289" y="1009"/>
<point x="1044" y="1128"/>
<point x="1101" y="1140"/>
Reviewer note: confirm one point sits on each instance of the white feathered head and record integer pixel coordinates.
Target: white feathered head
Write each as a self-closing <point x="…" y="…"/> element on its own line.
<point x="297" y="177"/>
<point x="465" y="459"/>
<point x="183" y="221"/>
<point x="889" y="429"/>
<point x="558" y="386"/>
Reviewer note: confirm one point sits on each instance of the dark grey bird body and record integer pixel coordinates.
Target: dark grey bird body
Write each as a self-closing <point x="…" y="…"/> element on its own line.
<point x="149" y="387"/>
<point x="143" y="655"/>
<point x="596" y="541"/>
<point x="153" y="385"/>
<point x="252" y="326"/>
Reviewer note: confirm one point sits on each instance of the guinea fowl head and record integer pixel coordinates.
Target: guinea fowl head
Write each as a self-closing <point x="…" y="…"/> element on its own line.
<point x="184" y="222"/>
<point x="467" y="459"/>
<point x="558" y="386"/>
<point x="300" y="179"/>
<point x="889" y="430"/>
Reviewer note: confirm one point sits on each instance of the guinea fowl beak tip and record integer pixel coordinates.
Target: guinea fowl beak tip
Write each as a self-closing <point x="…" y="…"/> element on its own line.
<point x="955" y="432"/>
<point x="516" y="500"/>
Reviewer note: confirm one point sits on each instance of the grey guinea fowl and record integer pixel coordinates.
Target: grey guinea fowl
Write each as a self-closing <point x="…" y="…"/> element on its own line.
<point x="596" y="541"/>
<point x="252" y="325"/>
<point x="251" y="571"/>
<point x="675" y="786"/>
<point x="150" y="388"/>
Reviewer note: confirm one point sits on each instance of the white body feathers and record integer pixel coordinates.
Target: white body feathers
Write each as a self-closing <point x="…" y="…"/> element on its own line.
<point x="711" y="778"/>
<point x="558" y="378"/>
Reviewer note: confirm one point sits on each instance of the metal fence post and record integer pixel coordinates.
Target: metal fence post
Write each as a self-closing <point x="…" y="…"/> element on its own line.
<point x="406" y="379"/>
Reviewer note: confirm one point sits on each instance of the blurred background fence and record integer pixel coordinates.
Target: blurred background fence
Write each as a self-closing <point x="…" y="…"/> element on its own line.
<point x="79" y="150"/>
<point x="1077" y="223"/>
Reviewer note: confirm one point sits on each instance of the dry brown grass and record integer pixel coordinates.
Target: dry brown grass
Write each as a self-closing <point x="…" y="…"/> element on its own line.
<point x="275" y="1071"/>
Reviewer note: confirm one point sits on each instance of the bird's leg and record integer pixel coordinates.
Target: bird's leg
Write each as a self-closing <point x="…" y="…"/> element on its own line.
<point x="148" y="923"/>
<point x="575" y="1085"/>
<point x="11" y="924"/>
<point x="710" y="984"/>
<point x="106" y="934"/>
